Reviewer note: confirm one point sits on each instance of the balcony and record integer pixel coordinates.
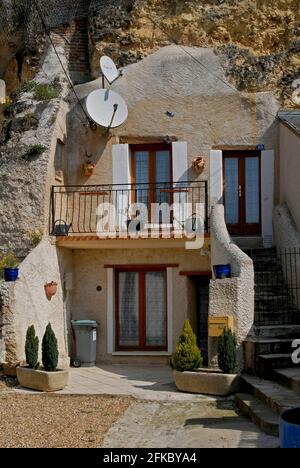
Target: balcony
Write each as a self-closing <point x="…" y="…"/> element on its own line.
<point x="131" y="211"/>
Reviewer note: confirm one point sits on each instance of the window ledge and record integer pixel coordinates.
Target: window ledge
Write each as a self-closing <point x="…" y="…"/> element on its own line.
<point x="141" y="353"/>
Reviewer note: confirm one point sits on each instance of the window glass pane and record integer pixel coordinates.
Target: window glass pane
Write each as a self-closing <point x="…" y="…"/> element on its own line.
<point x="128" y="309"/>
<point x="252" y="190"/>
<point x="232" y="190"/>
<point x="156" y="317"/>
<point x="142" y="176"/>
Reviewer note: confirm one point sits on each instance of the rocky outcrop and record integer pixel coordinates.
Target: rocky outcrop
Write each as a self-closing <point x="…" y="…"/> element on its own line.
<point x="259" y="41"/>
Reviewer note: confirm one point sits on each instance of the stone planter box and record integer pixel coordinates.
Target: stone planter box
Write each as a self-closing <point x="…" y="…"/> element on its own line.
<point x="41" y="380"/>
<point x="207" y="382"/>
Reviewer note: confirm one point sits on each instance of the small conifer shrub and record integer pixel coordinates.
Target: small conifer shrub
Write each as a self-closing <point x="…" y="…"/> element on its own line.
<point x="49" y="350"/>
<point x="187" y="355"/>
<point x="227" y="352"/>
<point x="32" y="348"/>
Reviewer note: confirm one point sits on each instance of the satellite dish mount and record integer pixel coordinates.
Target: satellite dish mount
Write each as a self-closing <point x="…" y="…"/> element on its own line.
<point x="109" y="71"/>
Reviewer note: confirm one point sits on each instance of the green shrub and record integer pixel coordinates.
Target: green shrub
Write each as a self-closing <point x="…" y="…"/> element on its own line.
<point x="187" y="355"/>
<point x="32" y="348"/>
<point x="8" y="261"/>
<point x="35" y="236"/>
<point x="34" y="150"/>
<point x="227" y="352"/>
<point x="44" y="92"/>
<point x="49" y="350"/>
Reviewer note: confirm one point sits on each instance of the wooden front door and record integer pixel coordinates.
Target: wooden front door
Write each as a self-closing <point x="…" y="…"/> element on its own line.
<point x="242" y="192"/>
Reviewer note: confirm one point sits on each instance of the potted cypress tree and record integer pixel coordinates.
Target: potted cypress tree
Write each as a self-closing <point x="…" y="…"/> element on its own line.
<point x="48" y="378"/>
<point x="190" y="377"/>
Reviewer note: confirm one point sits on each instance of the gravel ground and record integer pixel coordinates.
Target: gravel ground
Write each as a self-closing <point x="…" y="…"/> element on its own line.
<point x="48" y="421"/>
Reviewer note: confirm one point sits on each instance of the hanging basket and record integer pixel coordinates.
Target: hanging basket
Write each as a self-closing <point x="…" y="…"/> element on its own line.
<point x="50" y="289"/>
<point x="199" y="164"/>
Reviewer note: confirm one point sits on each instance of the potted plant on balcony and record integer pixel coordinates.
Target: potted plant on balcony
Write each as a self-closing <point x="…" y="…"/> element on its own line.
<point x="191" y="378"/>
<point x="9" y="266"/>
<point x="49" y="378"/>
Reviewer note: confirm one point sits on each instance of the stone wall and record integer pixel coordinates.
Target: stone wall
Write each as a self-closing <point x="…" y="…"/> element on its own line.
<point x="24" y="303"/>
<point x="257" y="40"/>
<point x="233" y="297"/>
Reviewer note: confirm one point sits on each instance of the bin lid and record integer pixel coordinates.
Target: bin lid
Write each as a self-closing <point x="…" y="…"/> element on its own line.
<point x="85" y="323"/>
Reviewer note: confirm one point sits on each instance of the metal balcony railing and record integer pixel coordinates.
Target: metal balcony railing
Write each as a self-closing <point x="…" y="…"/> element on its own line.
<point x="115" y="210"/>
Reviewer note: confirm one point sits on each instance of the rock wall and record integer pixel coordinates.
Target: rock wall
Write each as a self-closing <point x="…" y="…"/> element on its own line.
<point x="27" y="148"/>
<point x="258" y="40"/>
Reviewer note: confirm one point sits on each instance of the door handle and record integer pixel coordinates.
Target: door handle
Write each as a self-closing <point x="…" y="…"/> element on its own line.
<point x="240" y="191"/>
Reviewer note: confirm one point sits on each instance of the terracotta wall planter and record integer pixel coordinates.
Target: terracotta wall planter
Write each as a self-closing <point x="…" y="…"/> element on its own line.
<point x="50" y="289"/>
<point x="88" y="169"/>
<point x="207" y="382"/>
<point x="41" y="380"/>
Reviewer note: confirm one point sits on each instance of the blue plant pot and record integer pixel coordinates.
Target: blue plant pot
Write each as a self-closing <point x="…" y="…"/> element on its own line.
<point x="289" y="429"/>
<point x="11" y="274"/>
<point x="222" y="271"/>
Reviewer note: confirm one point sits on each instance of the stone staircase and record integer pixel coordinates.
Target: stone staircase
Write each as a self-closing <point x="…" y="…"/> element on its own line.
<point x="264" y="400"/>
<point x="277" y="319"/>
<point x="272" y="382"/>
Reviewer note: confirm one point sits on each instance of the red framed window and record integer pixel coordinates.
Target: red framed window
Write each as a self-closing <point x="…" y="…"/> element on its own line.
<point x="141" y="309"/>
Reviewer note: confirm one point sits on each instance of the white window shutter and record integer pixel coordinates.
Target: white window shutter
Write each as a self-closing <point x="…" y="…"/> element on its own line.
<point x="121" y="181"/>
<point x="180" y="174"/>
<point x="216" y="177"/>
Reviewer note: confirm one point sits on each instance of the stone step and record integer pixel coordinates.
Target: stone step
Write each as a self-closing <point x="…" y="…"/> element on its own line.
<point x="289" y="377"/>
<point x="273" y="395"/>
<point x="258" y="412"/>
<point x="270" y="345"/>
<point x="278" y="331"/>
<point x="266" y="363"/>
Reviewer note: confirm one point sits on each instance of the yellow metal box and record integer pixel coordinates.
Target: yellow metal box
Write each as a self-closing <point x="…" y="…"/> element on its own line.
<point x="216" y="325"/>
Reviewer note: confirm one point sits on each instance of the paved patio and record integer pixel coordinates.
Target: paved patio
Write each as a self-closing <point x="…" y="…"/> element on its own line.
<point x="145" y="383"/>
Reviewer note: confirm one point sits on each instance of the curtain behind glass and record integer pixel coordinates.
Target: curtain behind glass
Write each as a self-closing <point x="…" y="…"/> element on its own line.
<point x="156" y="317"/>
<point x="128" y="309"/>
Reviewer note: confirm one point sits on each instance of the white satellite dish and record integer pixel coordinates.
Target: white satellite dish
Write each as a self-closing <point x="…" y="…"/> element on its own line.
<point x="296" y="97"/>
<point x="296" y="84"/>
<point x="2" y="91"/>
<point x="109" y="69"/>
<point x="106" y="108"/>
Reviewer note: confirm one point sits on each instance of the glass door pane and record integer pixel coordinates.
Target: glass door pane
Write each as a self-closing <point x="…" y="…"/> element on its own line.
<point x="163" y="179"/>
<point x="252" y="191"/>
<point x="142" y="177"/>
<point x="129" y="309"/>
<point x="156" y="309"/>
<point x="231" y="172"/>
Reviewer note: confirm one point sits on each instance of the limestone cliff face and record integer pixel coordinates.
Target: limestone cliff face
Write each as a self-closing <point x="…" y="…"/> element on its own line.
<point x="259" y="40"/>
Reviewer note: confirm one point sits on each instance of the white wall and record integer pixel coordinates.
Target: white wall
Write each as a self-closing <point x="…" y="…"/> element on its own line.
<point x="25" y="303"/>
<point x="290" y="171"/>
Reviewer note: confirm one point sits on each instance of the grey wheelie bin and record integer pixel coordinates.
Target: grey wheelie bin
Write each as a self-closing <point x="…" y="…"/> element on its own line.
<point x="85" y="342"/>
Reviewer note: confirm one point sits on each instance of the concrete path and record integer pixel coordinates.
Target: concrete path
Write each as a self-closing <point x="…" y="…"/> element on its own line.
<point x="185" y="425"/>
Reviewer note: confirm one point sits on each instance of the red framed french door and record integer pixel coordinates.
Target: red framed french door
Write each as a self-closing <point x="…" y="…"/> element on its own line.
<point x="242" y="192"/>
<point x="141" y="309"/>
<point x="152" y="176"/>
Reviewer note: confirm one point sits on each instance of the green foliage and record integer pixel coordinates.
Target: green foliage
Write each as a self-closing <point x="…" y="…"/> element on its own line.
<point x="49" y="350"/>
<point x="28" y="86"/>
<point x="8" y="261"/>
<point x="32" y="348"/>
<point x="227" y="352"/>
<point x="34" y="150"/>
<point x="35" y="236"/>
<point x="44" y="92"/>
<point x="187" y="355"/>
